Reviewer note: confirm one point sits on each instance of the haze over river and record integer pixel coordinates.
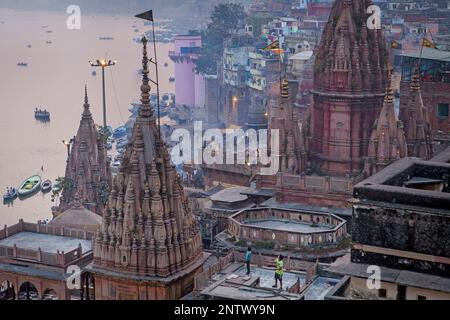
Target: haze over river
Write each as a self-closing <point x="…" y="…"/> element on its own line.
<point x="54" y="79"/>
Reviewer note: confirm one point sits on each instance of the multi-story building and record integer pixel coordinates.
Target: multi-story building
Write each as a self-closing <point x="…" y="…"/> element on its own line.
<point x="189" y="85"/>
<point x="235" y="92"/>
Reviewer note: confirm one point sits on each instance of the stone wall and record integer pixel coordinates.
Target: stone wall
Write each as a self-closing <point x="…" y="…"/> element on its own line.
<point x="422" y="238"/>
<point x="237" y="226"/>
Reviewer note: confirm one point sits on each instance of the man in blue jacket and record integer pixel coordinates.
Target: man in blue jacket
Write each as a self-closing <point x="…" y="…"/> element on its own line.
<point x="248" y="258"/>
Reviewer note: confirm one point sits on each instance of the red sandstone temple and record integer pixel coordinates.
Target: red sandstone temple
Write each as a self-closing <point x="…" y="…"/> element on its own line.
<point x="349" y="85"/>
<point x="149" y="246"/>
<point x="351" y="130"/>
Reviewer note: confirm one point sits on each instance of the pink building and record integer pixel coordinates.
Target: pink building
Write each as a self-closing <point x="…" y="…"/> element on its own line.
<point x="189" y="86"/>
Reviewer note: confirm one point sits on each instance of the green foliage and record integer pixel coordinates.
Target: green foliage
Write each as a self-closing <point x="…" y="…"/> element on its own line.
<point x="225" y="20"/>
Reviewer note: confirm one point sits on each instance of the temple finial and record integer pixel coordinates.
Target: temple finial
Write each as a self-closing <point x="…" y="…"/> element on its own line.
<point x="285" y="89"/>
<point x="415" y="83"/>
<point x="145" y="110"/>
<point x="389" y="96"/>
<point x="86" y="101"/>
<point x="144" y="58"/>
<point x="86" y="113"/>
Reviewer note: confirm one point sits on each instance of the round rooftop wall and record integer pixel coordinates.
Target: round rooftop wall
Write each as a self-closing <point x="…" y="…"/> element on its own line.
<point x="292" y="228"/>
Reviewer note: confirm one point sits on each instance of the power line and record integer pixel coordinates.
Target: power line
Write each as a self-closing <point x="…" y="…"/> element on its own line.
<point x="117" y="99"/>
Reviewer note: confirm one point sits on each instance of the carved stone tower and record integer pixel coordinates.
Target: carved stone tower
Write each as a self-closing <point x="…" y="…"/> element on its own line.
<point x="387" y="143"/>
<point x="149" y="246"/>
<point x="350" y="76"/>
<point x="88" y="172"/>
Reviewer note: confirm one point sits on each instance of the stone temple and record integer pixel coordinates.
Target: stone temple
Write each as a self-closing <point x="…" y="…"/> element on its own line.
<point x="350" y="79"/>
<point x="149" y="246"/>
<point x="88" y="173"/>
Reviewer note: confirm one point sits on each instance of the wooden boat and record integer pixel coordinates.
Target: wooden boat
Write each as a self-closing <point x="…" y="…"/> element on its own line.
<point x="46" y="186"/>
<point x="42" y="115"/>
<point x="10" y="195"/>
<point x="29" y="186"/>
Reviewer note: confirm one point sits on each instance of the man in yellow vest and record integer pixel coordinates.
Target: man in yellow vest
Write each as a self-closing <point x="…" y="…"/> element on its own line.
<point x="279" y="272"/>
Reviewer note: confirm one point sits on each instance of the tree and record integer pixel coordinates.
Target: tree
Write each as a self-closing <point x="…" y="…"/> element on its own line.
<point x="225" y="20"/>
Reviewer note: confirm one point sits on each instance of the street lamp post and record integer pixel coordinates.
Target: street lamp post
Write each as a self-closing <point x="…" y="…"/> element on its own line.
<point x="103" y="63"/>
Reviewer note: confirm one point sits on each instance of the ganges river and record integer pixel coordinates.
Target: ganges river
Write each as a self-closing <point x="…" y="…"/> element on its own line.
<point x="58" y="68"/>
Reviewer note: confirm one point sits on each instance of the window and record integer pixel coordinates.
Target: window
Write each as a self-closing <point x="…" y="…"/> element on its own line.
<point x="443" y="110"/>
<point x="382" y="293"/>
<point x="421" y="298"/>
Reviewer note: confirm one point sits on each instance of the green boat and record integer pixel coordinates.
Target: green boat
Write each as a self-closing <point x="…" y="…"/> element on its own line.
<point x="30" y="186"/>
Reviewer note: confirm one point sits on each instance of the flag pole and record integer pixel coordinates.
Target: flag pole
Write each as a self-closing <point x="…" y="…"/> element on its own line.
<point x="148" y="15"/>
<point x="157" y="80"/>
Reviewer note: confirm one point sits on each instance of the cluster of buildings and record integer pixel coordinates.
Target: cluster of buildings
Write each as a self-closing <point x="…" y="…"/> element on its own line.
<point x="363" y="177"/>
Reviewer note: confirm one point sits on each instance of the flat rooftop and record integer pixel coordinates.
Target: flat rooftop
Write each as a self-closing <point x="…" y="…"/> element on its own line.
<point x="233" y="283"/>
<point x="230" y="195"/>
<point x="402" y="277"/>
<point x="388" y="186"/>
<point x="266" y="277"/>
<point x="47" y="242"/>
<point x="430" y="54"/>
<point x="287" y="225"/>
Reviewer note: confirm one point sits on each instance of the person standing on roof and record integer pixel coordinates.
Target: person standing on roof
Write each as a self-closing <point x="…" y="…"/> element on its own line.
<point x="279" y="271"/>
<point x="248" y="258"/>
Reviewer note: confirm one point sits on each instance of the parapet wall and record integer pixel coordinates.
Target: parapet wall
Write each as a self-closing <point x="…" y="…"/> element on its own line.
<point x="60" y="258"/>
<point x="239" y="228"/>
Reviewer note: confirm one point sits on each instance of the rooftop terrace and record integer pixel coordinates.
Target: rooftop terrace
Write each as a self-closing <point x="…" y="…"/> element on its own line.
<point x="287" y="227"/>
<point x="46" y="242"/>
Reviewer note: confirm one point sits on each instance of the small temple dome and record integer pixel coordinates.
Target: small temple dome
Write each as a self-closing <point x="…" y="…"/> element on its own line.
<point x="78" y="217"/>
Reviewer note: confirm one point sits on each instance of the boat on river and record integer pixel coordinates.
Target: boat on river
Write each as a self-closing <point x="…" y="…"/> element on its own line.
<point x="42" y="115"/>
<point x="10" y="195"/>
<point x="30" y="185"/>
<point x="46" y="186"/>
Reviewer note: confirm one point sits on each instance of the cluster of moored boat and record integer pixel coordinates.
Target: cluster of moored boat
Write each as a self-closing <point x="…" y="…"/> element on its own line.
<point x="28" y="187"/>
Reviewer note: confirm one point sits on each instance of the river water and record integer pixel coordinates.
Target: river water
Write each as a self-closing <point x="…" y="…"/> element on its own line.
<point x="54" y="79"/>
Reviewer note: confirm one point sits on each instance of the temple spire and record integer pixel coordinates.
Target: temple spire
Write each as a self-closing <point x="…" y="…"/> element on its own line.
<point x="417" y="125"/>
<point x="87" y="115"/>
<point x="387" y="142"/>
<point x="87" y="166"/>
<point x="145" y="110"/>
<point x="145" y="172"/>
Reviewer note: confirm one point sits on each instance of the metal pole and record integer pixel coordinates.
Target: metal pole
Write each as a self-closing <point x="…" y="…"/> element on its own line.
<point x="104" y="100"/>
<point x="157" y="80"/>
<point x="279" y="62"/>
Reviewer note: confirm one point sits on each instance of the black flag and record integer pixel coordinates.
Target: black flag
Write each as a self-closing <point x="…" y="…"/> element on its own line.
<point x="146" y="15"/>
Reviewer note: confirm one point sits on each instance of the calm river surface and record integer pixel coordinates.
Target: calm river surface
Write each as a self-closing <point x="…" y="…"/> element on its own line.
<point x="54" y="79"/>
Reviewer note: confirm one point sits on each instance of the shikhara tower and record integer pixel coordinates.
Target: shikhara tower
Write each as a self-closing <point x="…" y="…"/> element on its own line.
<point x="417" y="122"/>
<point x="88" y="173"/>
<point x="387" y="143"/>
<point x="149" y="246"/>
<point x="350" y="78"/>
